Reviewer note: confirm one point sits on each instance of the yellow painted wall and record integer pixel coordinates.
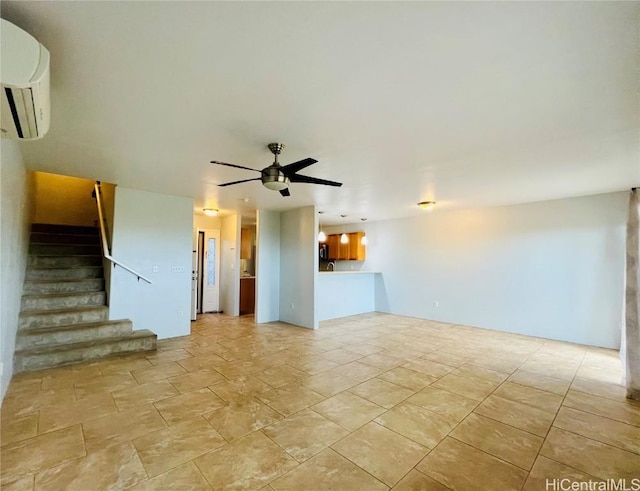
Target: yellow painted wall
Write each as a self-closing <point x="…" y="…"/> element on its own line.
<point x="64" y="200"/>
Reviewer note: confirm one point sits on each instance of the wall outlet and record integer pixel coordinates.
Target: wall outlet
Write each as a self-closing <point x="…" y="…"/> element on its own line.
<point x="293" y="306"/>
<point x="436" y="303"/>
<point x="155" y="269"/>
<point x="180" y="314"/>
<point x="1" y="369"/>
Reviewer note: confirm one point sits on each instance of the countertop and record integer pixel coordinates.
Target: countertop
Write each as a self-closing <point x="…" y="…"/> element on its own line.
<point x="247" y="277"/>
<point x="348" y="272"/>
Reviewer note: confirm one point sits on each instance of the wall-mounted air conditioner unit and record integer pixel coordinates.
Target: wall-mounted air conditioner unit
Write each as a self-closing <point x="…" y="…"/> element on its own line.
<point x="25" y="84"/>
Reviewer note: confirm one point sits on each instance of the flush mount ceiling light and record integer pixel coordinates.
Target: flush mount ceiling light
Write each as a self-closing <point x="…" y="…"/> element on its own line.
<point x="210" y="212"/>
<point x="322" y="237"/>
<point x="344" y="238"/>
<point x="364" y="241"/>
<point x="427" y="205"/>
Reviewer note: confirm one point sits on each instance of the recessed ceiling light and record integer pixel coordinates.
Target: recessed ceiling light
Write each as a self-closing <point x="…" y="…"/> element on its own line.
<point x="210" y="212"/>
<point x="427" y="205"/>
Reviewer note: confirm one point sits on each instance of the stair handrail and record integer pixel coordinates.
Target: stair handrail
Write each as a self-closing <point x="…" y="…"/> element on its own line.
<point x="103" y="235"/>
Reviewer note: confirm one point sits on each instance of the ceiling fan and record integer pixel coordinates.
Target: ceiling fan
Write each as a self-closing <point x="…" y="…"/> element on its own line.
<point x="277" y="177"/>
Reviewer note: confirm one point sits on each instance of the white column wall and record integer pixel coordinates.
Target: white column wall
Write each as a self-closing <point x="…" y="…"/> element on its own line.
<point x="152" y="231"/>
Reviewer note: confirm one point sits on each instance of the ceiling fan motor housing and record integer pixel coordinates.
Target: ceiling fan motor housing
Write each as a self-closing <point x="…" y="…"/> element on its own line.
<point x="273" y="178"/>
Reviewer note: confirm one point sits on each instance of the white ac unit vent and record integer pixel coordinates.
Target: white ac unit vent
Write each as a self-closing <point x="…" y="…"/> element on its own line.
<point x="25" y="84"/>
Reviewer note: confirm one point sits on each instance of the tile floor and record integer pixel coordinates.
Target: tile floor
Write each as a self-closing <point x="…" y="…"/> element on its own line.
<point x="369" y="402"/>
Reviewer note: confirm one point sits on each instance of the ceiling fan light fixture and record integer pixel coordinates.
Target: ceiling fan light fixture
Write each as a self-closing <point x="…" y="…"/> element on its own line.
<point x="276" y="185"/>
<point x="210" y="212"/>
<point x="344" y="239"/>
<point x="364" y="241"/>
<point x="322" y="237"/>
<point x="427" y="205"/>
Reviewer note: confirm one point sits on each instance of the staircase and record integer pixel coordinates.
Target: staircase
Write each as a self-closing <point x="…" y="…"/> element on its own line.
<point x="64" y="316"/>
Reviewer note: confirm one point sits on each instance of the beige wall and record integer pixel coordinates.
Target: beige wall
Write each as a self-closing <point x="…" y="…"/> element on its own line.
<point x="64" y="200"/>
<point x="204" y="222"/>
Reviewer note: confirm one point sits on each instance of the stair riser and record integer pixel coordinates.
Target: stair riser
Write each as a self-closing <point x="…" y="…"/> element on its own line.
<point x="63" y="261"/>
<point x="63" y="229"/>
<point x="43" y="238"/>
<point x="47" y="302"/>
<point x="35" y="321"/>
<point x="34" y="274"/>
<point x="91" y="285"/>
<point x="32" y="339"/>
<point x="54" y="359"/>
<point x="66" y="249"/>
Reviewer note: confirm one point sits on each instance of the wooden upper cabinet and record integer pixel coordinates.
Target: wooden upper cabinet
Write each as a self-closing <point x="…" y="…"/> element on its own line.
<point x="353" y="251"/>
<point x="246" y="238"/>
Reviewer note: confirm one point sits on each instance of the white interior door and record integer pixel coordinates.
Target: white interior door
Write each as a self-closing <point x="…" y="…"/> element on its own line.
<point x="211" y="272"/>
<point x="194" y="276"/>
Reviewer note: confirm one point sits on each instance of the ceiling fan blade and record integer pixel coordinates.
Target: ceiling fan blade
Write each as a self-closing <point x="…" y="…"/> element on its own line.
<point x="234" y="165"/>
<point x="238" y="182"/>
<point x="290" y="169"/>
<point x="313" y="180"/>
<point x="285" y="192"/>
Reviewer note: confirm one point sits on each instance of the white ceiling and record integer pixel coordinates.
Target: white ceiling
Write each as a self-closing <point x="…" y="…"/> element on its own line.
<point x="469" y="104"/>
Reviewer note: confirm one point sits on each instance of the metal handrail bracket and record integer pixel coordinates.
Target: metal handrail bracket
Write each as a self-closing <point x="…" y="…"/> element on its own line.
<point x="103" y="235"/>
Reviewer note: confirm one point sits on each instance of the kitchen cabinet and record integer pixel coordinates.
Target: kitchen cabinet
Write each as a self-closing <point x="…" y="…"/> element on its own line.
<point x="353" y="251"/>
<point x="246" y="243"/>
<point x="247" y="295"/>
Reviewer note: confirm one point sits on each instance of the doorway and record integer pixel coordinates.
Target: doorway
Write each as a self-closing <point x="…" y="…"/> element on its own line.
<point x="206" y="277"/>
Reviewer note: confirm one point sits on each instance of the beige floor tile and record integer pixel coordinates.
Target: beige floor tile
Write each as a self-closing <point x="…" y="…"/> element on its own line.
<point x="604" y="430"/>
<point x="67" y="377"/>
<point x="384" y="362"/>
<point x="470" y="388"/>
<point x="248" y="463"/>
<point x="160" y="357"/>
<point x="182" y="478"/>
<point x="241" y="418"/>
<point x="121" y="427"/>
<point x="610" y="390"/>
<point x="244" y="387"/>
<point x="429" y="367"/>
<point x="116" y="467"/>
<point x="381" y="392"/>
<point x="87" y="409"/>
<point x="202" y="362"/>
<point x="290" y="399"/>
<point x="27" y="457"/>
<point x="165" y="449"/>
<point x="124" y="364"/>
<point x="381" y="452"/>
<point x="328" y="470"/>
<point x="365" y="349"/>
<point x="476" y="372"/>
<point x="348" y="410"/>
<point x="502" y="363"/>
<point x="104" y="384"/>
<point x="21" y="404"/>
<point x="546" y="473"/>
<point x="552" y="368"/>
<point x="343" y="356"/>
<point x="528" y="395"/>
<point x="445" y="358"/>
<point x="517" y="414"/>
<point x="416" y="423"/>
<point x="500" y="440"/>
<point x="18" y="429"/>
<point x="328" y="384"/>
<point x="196" y="380"/>
<point x="417" y="481"/>
<point x="24" y="484"/>
<point x="444" y="403"/>
<point x="481" y="471"/>
<point x="625" y="412"/>
<point x="304" y="434"/>
<point x="408" y="378"/>
<point x="357" y="371"/>
<point x="542" y="382"/>
<point x="598" y="459"/>
<point x="282" y="375"/>
<point x="143" y="394"/>
<point x="313" y="365"/>
<point x="159" y="372"/>
<point x="187" y="406"/>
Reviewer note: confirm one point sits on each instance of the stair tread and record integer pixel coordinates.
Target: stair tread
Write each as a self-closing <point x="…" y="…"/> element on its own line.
<point x="48" y="268"/>
<point x="68" y="327"/>
<point x="61" y="311"/>
<point x="59" y="294"/>
<point x="35" y="254"/>
<point x="142" y="333"/>
<point x="63" y="280"/>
